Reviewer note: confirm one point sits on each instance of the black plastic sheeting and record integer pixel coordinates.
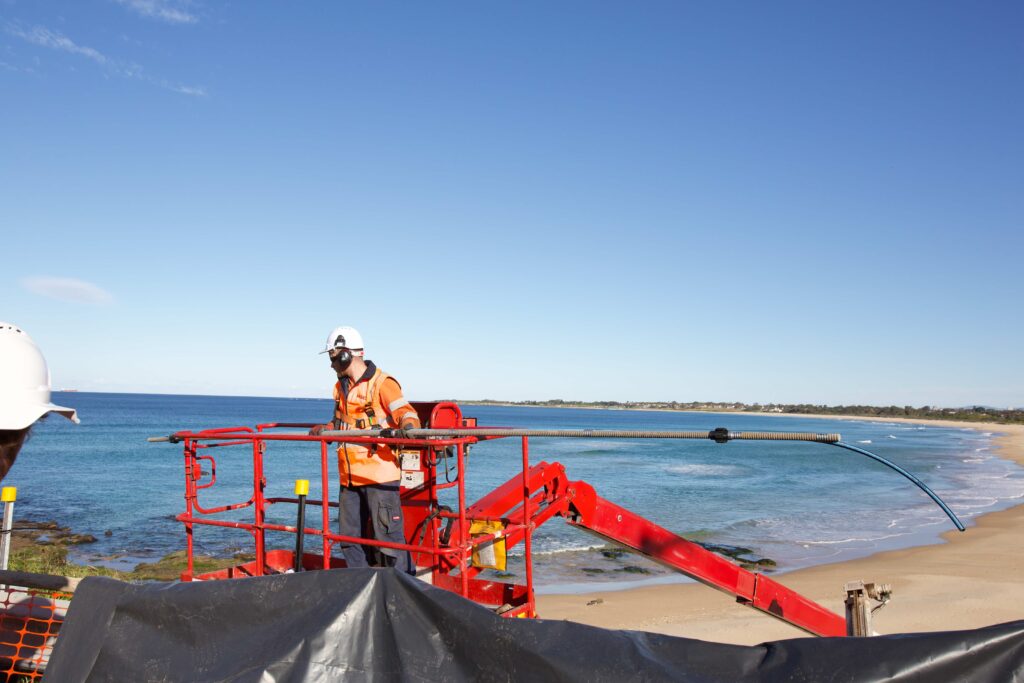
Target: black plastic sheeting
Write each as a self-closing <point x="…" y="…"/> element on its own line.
<point x="379" y="625"/>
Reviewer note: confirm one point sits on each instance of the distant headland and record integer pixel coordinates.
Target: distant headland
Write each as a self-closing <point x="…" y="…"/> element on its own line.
<point x="963" y="414"/>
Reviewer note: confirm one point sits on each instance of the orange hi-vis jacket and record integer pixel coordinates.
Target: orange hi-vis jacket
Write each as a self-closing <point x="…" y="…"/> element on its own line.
<point x="374" y="400"/>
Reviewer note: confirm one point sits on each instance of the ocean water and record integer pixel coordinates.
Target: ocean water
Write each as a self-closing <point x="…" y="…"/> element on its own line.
<point x="798" y="504"/>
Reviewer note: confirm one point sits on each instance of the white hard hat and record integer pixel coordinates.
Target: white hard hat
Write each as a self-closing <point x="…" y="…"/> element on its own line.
<point x="24" y="381"/>
<point x="345" y="338"/>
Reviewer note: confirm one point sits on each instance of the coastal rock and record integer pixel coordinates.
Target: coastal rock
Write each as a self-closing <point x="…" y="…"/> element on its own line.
<point x="741" y="556"/>
<point x="733" y="551"/>
<point x="27" y="533"/>
<point x="78" y="539"/>
<point x="633" y="569"/>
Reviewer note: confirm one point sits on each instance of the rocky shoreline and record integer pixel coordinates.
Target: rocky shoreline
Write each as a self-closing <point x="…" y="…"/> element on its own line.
<point x="42" y="547"/>
<point x="26" y="533"/>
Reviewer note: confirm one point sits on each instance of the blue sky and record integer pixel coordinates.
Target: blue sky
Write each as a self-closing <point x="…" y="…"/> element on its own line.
<point x="604" y="201"/>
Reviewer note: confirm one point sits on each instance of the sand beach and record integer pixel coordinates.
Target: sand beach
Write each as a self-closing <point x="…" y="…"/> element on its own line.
<point x="970" y="579"/>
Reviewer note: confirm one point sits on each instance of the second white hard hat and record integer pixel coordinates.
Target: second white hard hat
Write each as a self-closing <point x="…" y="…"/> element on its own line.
<point x="24" y="381"/>
<point x="345" y="338"/>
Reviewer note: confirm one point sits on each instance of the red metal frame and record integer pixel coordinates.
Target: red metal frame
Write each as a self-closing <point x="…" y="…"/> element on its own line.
<point x="522" y="504"/>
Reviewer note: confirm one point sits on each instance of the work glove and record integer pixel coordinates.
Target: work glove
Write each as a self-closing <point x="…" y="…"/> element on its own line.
<point x="315" y="431"/>
<point x="393" y="433"/>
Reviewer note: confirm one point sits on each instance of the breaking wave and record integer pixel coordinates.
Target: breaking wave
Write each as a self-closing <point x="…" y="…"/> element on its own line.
<point x="705" y="470"/>
<point x="853" y="539"/>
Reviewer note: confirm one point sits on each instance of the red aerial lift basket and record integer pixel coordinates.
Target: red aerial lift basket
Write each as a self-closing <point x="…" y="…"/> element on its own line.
<point x="451" y="547"/>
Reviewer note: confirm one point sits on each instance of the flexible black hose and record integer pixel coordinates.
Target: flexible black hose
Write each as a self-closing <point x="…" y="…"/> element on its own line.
<point x="920" y="484"/>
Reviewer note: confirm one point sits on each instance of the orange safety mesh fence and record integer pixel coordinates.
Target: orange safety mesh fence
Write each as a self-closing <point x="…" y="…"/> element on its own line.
<point x="29" y="623"/>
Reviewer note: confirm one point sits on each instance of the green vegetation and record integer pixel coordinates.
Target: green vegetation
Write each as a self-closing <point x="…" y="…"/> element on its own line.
<point x="965" y="414"/>
<point x="42" y="548"/>
<point x="170" y="567"/>
<point x="53" y="559"/>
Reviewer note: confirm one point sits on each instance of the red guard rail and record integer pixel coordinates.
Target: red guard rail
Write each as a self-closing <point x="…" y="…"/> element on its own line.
<point x="444" y="565"/>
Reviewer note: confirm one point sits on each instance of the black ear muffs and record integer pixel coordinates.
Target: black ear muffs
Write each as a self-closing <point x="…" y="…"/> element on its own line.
<point x="342" y="360"/>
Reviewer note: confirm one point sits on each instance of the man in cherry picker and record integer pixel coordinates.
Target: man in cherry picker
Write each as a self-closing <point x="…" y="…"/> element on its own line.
<point x="366" y="397"/>
<point x="24" y="392"/>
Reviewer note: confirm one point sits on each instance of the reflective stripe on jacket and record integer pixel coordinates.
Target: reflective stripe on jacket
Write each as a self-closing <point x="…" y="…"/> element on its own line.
<point x="373" y="402"/>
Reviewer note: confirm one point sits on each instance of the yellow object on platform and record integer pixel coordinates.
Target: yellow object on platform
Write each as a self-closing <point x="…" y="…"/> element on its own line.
<point x="302" y="487"/>
<point x="9" y="494"/>
<point x="490" y="554"/>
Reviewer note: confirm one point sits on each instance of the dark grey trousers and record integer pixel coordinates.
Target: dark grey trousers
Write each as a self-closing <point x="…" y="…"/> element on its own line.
<point x="381" y="505"/>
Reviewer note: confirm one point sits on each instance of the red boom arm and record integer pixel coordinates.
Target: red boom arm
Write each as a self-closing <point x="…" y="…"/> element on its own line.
<point x="553" y="494"/>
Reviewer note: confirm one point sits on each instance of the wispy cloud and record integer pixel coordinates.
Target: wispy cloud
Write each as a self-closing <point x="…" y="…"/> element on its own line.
<point x="10" y="67"/>
<point x="67" y="289"/>
<point x="39" y="35"/>
<point x="171" y="12"/>
<point x="192" y="91"/>
<point x="55" y="40"/>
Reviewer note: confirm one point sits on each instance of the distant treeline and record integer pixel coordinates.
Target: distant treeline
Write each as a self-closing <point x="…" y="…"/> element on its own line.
<point x="968" y="414"/>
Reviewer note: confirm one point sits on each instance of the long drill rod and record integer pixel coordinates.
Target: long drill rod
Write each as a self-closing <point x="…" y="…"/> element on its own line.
<point x="720" y="435"/>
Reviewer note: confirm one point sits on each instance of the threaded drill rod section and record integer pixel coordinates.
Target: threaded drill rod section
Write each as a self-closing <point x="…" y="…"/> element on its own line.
<point x="786" y="436"/>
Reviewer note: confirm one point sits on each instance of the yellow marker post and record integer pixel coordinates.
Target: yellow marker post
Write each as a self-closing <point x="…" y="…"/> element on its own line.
<point x="301" y="490"/>
<point x="7" y="496"/>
